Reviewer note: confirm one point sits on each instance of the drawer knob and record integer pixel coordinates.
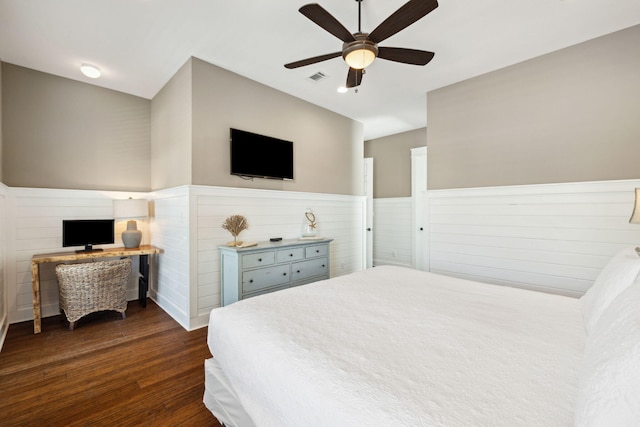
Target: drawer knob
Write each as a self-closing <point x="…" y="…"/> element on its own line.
<point x="284" y="274"/>
<point x="290" y="254"/>
<point x="259" y="259"/>
<point x="317" y="251"/>
<point x="298" y="271"/>
<point x="251" y="281"/>
<point x="322" y="265"/>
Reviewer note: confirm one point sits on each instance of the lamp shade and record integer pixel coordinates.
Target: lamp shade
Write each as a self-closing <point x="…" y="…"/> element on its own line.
<point x="635" y="216"/>
<point x="130" y="208"/>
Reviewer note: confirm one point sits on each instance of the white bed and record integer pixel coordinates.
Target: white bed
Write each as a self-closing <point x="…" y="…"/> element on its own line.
<point x="395" y="346"/>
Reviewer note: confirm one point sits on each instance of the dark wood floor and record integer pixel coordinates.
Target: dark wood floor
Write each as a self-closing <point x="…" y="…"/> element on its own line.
<point x="143" y="370"/>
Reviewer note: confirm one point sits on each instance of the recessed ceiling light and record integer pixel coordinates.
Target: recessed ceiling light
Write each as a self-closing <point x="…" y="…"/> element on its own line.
<point x="90" y="71"/>
<point x="342" y="89"/>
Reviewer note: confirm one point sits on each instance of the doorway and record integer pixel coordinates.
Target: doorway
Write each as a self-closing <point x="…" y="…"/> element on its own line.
<point x="419" y="220"/>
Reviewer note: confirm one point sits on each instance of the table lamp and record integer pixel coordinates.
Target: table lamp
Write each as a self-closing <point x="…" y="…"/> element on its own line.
<point x="130" y="209"/>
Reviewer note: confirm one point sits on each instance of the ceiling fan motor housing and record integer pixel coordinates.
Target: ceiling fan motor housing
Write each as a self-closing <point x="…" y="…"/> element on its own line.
<point x="359" y="53"/>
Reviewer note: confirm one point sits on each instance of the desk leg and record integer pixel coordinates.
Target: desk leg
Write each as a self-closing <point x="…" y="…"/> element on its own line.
<point x="35" y="295"/>
<point x="143" y="281"/>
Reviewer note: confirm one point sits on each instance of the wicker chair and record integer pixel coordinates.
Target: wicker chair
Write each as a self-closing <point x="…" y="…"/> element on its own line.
<point x="90" y="287"/>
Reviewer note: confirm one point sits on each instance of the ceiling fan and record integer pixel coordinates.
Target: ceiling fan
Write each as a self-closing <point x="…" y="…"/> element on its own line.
<point x="360" y="49"/>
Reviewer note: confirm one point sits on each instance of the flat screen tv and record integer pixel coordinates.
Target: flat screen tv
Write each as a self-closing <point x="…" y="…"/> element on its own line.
<point x="87" y="232"/>
<point x="260" y="156"/>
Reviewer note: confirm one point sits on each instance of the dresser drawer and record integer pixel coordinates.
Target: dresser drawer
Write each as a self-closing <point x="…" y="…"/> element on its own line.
<point x="290" y="254"/>
<point x="257" y="259"/>
<point x="262" y="278"/>
<point x="315" y="251"/>
<point x="313" y="267"/>
<point x="266" y="291"/>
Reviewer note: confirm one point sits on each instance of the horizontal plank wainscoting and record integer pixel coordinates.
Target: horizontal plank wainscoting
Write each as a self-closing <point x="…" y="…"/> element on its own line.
<point x="552" y="237"/>
<point x="185" y="223"/>
<point x="34" y="217"/>
<point x="188" y="226"/>
<point x="171" y="231"/>
<point x="4" y="314"/>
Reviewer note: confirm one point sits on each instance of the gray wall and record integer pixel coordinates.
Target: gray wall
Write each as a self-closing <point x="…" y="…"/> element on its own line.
<point x="60" y="133"/>
<point x="328" y="148"/>
<point x="171" y="134"/>
<point x="392" y="162"/>
<point x="1" y="177"/>
<point x="569" y="116"/>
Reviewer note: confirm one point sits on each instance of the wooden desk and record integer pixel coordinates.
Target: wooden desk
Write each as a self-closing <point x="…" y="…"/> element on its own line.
<point x="143" y="283"/>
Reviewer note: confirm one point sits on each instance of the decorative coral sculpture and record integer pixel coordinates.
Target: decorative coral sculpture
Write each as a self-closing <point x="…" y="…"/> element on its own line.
<point x="235" y="224"/>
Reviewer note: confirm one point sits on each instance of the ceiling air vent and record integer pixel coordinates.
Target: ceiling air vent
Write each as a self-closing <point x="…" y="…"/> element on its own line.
<point x="317" y="77"/>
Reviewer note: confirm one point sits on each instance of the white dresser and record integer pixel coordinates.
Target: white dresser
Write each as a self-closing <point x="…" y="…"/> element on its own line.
<point x="271" y="266"/>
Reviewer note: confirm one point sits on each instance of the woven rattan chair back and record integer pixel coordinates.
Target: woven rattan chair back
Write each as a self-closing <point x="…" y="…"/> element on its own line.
<point x="91" y="287"/>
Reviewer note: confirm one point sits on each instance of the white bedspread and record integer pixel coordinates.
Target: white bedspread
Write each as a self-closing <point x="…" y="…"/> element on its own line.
<point x="398" y="347"/>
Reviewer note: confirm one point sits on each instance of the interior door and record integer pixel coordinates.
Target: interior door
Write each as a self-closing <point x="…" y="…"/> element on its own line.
<point x="368" y="192"/>
<point x="419" y="221"/>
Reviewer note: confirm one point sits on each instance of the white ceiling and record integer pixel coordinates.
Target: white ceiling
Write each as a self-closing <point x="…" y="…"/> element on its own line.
<point x="140" y="44"/>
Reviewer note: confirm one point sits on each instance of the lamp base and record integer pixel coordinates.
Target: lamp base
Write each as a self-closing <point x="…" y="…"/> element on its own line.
<point x="131" y="237"/>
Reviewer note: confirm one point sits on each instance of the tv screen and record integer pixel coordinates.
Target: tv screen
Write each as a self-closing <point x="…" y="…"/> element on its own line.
<point x="260" y="156"/>
<point x="87" y="232"/>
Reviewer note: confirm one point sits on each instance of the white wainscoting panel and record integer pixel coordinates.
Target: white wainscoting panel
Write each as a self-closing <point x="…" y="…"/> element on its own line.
<point x="553" y="237"/>
<point x="392" y="238"/>
<point x="269" y="214"/>
<point x="4" y="309"/>
<point x="185" y="222"/>
<point x="170" y="231"/>
<point x="34" y="220"/>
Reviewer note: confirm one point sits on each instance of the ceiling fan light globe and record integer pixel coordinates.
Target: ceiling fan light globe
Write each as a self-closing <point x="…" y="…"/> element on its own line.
<point x="360" y="58"/>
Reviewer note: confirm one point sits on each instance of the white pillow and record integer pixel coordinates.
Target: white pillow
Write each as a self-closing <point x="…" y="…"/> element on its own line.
<point x="615" y="277"/>
<point x="609" y="393"/>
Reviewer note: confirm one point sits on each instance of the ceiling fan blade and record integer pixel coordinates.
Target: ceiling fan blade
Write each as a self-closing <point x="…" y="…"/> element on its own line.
<point x="406" y="56"/>
<point x="354" y="77"/>
<point x="320" y="16"/>
<point x="313" y="60"/>
<point x="412" y="11"/>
